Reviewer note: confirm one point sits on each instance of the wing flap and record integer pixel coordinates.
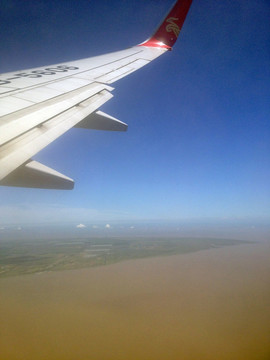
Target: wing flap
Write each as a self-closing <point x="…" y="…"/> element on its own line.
<point x="37" y="114"/>
<point x="36" y="175"/>
<point x="16" y="152"/>
<point x="102" y="121"/>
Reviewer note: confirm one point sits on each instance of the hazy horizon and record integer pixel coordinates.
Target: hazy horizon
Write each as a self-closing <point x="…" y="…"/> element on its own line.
<point x="255" y="230"/>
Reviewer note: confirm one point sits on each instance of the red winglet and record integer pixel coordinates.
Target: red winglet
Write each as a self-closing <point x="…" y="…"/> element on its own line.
<point x="167" y="33"/>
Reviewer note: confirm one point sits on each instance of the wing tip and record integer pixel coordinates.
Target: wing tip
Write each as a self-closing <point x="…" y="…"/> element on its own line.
<point x="168" y="31"/>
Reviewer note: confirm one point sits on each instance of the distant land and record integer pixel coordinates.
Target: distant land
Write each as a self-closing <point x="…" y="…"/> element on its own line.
<point x="22" y="256"/>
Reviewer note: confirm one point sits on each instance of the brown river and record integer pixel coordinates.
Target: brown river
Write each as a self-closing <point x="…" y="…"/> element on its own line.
<point x="209" y="305"/>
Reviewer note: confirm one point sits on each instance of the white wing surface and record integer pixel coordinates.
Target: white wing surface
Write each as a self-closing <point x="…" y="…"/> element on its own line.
<point x="39" y="105"/>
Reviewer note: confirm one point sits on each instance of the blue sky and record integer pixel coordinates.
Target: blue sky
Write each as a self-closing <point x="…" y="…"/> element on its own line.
<point x="198" y="139"/>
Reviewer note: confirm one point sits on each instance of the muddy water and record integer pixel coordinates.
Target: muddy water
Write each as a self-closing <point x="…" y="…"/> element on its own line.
<point x="208" y="305"/>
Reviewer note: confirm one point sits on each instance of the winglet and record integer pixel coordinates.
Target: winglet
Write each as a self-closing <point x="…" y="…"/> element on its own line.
<point x="168" y="31"/>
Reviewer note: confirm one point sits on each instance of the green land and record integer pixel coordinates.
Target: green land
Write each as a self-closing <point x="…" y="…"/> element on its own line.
<point x="20" y="257"/>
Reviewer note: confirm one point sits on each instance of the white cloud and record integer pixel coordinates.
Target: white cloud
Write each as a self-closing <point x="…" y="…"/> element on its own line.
<point x="107" y="226"/>
<point x="95" y="227"/>
<point x="81" y="226"/>
<point x="132" y="227"/>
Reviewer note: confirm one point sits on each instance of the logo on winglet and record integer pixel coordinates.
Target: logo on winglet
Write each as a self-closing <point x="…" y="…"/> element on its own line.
<point x="172" y="26"/>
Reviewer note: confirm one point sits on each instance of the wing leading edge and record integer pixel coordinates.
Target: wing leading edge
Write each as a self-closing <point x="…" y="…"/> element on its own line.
<point x="39" y="105"/>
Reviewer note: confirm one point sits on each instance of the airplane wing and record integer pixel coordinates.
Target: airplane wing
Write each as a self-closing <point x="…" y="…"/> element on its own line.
<point x="38" y="105"/>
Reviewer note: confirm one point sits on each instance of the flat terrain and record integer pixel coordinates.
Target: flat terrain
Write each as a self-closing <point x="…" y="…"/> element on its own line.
<point x="19" y="257"/>
<point x="206" y="305"/>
